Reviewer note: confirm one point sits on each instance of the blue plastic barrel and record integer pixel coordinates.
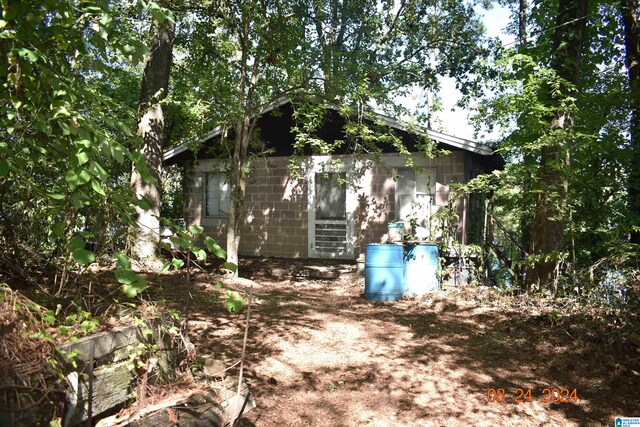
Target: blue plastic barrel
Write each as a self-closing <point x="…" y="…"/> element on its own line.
<point x="383" y="272"/>
<point x="421" y="268"/>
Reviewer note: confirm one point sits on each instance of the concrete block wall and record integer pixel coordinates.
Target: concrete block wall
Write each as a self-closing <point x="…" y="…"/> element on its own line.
<point x="451" y="169"/>
<point x="276" y="205"/>
<point x="375" y="192"/>
<point x="275" y="209"/>
<point x="275" y="212"/>
<point x="376" y="195"/>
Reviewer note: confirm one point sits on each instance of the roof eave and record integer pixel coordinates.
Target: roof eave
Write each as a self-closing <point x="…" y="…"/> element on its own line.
<point x="169" y="154"/>
<point x="454" y="141"/>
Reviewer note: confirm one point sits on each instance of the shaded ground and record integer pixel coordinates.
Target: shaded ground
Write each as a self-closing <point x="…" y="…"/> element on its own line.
<point x="320" y="354"/>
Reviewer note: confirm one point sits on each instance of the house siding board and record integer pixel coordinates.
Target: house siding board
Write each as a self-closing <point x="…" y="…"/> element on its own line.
<point x="276" y="204"/>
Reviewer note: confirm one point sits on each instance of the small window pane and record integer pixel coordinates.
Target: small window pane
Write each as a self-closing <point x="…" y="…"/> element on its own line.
<point x="223" y="208"/>
<point x="405" y="202"/>
<point x="217" y="195"/>
<point x="406" y="181"/>
<point x="423" y="182"/>
<point x="331" y="196"/>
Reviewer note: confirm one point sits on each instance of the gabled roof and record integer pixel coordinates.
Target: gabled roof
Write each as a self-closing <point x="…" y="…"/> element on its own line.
<point x="453" y="141"/>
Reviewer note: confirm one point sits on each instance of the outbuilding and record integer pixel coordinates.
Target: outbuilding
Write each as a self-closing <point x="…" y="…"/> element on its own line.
<point x="334" y="204"/>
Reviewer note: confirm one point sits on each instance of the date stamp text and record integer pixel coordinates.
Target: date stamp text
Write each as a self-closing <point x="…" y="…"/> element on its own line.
<point x="525" y="395"/>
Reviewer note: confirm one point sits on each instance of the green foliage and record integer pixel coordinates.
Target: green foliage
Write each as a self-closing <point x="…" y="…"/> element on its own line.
<point x="525" y="93"/>
<point x="65" y="136"/>
<point x="614" y="282"/>
<point x="410" y="47"/>
<point x="241" y="58"/>
<point x="123" y="261"/>
<point x="229" y="266"/>
<point x="185" y="240"/>
<point x="75" y="324"/>
<point x="139" y="354"/>
<point x="214" y="248"/>
<point x="83" y="256"/>
<point x="173" y="192"/>
<point x="234" y="302"/>
<point x="132" y="284"/>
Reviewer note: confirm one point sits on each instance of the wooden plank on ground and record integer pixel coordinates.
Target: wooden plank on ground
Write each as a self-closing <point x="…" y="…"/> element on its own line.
<point x="216" y="407"/>
<point x="113" y="381"/>
<point x="112" y="386"/>
<point x="111" y="346"/>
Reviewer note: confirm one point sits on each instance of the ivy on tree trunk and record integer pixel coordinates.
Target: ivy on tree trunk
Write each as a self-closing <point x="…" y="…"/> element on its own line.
<point x="548" y="225"/>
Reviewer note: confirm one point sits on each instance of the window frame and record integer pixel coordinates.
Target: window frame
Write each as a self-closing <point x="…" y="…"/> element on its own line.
<point x="424" y="218"/>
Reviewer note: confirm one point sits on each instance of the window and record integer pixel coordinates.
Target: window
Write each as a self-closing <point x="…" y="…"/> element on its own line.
<point x="217" y="195"/>
<point x="413" y="195"/>
<point x="331" y="196"/>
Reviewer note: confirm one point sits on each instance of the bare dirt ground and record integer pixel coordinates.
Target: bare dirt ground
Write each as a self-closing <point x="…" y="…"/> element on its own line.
<point x="319" y="354"/>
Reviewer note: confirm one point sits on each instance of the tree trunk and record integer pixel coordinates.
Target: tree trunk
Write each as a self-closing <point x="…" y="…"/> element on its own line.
<point x="326" y="47"/>
<point x="238" y="184"/>
<point x="629" y="12"/>
<point x="526" y="220"/>
<point x="548" y="225"/>
<point x="243" y="128"/>
<point x="522" y="25"/>
<point x="155" y="83"/>
<point x="528" y="196"/>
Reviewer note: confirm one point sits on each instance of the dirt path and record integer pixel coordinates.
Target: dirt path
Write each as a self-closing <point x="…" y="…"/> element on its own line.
<point x="319" y="354"/>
